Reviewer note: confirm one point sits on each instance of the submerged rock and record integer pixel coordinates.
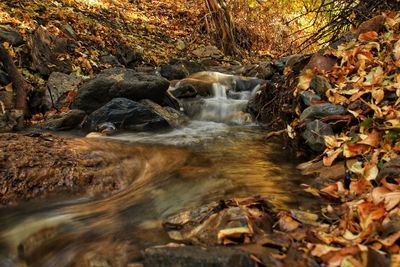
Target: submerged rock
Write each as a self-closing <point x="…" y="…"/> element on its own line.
<point x="314" y="134"/>
<point x="119" y="82"/>
<point x="320" y="111"/>
<point x="195" y="256"/>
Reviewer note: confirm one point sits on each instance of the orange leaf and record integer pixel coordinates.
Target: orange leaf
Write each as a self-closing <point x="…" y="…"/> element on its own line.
<point x="367" y="36"/>
<point x="330" y="158"/>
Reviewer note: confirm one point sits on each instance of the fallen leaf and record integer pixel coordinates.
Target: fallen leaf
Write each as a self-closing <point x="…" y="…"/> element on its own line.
<point x="330" y="158"/>
<point x="366" y="36"/>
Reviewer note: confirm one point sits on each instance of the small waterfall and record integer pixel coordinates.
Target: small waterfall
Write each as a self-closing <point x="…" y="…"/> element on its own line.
<point x="221" y="108"/>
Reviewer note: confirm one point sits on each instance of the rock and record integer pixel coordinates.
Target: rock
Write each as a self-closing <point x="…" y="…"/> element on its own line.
<point x="169" y="100"/>
<point x="51" y="53"/>
<point x="208" y="52"/>
<point x="309" y="97"/>
<point x="195" y="256"/>
<point x="320" y="85"/>
<point x="4" y="79"/>
<point x="321" y="62"/>
<point x="7" y="34"/>
<point x="185" y="91"/>
<point x="173" y="72"/>
<point x="320" y="111"/>
<point x="243" y="84"/>
<point x="106" y="128"/>
<point x="110" y="60"/>
<point x="314" y="134"/>
<point x="127" y="114"/>
<point x="174" y="117"/>
<point x="192" y="66"/>
<point x="280" y="64"/>
<point x="263" y="70"/>
<point x="119" y="82"/>
<point x="129" y="57"/>
<point x="59" y="85"/>
<point x="64" y="121"/>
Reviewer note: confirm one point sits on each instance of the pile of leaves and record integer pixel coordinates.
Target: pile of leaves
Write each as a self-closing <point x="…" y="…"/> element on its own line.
<point x="361" y="223"/>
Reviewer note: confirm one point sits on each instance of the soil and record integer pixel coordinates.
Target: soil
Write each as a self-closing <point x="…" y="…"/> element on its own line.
<point x="36" y="166"/>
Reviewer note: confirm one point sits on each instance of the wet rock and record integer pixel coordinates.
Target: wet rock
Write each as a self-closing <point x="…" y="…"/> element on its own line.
<point x="192" y="86"/>
<point x="171" y="101"/>
<point x="247" y="84"/>
<point x="320" y="111"/>
<point x="224" y="222"/>
<point x="320" y="85"/>
<point x="194" y="256"/>
<point x="308" y="97"/>
<point x="106" y="128"/>
<point x="175" y="118"/>
<point x="263" y="70"/>
<point x="127" y="114"/>
<point x="7" y="34"/>
<point x="314" y="134"/>
<point x="51" y="53"/>
<point x="4" y="79"/>
<point x="119" y="82"/>
<point x="173" y="72"/>
<point x="64" y="121"/>
<point x="58" y="86"/>
<point x="185" y="91"/>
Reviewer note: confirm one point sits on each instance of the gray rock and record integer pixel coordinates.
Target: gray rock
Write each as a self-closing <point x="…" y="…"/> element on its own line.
<point x="174" y="72"/>
<point x="314" y="134"/>
<point x="119" y="82"/>
<point x="320" y="85"/>
<point x="7" y="34"/>
<point x="110" y="60"/>
<point x="64" y="121"/>
<point x="4" y="79"/>
<point x="58" y="87"/>
<point x="194" y="256"/>
<point x="320" y="111"/>
<point x="127" y="114"/>
<point x="309" y="97"/>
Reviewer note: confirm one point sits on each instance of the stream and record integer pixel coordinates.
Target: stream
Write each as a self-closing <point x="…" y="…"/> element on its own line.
<point x="220" y="154"/>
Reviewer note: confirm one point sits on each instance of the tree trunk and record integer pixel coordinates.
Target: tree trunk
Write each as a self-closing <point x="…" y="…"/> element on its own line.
<point x="223" y="25"/>
<point x="20" y="86"/>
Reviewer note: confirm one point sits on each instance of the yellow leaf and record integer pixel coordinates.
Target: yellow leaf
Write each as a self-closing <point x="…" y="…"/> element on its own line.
<point x="378" y="95"/>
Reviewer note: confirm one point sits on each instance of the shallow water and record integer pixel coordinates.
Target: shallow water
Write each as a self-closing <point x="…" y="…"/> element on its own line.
<point x="170" y="171"/>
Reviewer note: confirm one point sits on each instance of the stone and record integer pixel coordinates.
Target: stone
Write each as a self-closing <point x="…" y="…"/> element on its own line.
<point x="314" y="134"/>
<point x="196" y="256"/>
<point x="127" y="114"/>
<point x="243" y="84"/>
<point x="309" y="97"/>
<point x="58" y="86"/>
<point x="110" y="60"/>
<point x="64" y="121"/>
<point x="263" y="70"/>
<point x="320" y="85"/>
<point x="185" y="91"/>
<point x="280" y="64"/>
<point x="128" y="56"/>
<point x="7" y="34"/>
<point x="390" y="169"/>
<point x="173" y="72"/>
<point x="174" y="117"/>
<point x="320" y="111"/>
<point x="4" y="79"/>
<point x="51" y="53"/>
<point x="209" y="51"/>
<point x="119" y="82"/>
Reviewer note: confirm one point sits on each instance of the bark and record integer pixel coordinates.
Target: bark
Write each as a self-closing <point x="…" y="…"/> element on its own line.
<point x="20" y="86"/>
<point x="223" y="25"/>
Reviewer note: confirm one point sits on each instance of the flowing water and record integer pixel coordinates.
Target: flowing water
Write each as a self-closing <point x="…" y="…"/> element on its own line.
<point x="219" y="155"/>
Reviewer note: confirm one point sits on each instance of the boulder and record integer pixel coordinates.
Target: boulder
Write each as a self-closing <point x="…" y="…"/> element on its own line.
<point x="127" y="114"/>
<point x="263" y="70"/>
<point x="7" y="34"/>
<point x="320" y="84"/>
<point x="51" y="53"/>
<point x="196" y="256"/>
<point x="308" y="97"/>
<point x="320" y="111"/>
<point x="58" y="86"/>
<point x="64" y="121"/>
<point x="119" y="82"/>
<point x="175" y="118"/>
<point x="314" y="134"/>
<point x="185" y="91"/>
<point x="173" y="72"/>
<point x="4" y="79"/>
